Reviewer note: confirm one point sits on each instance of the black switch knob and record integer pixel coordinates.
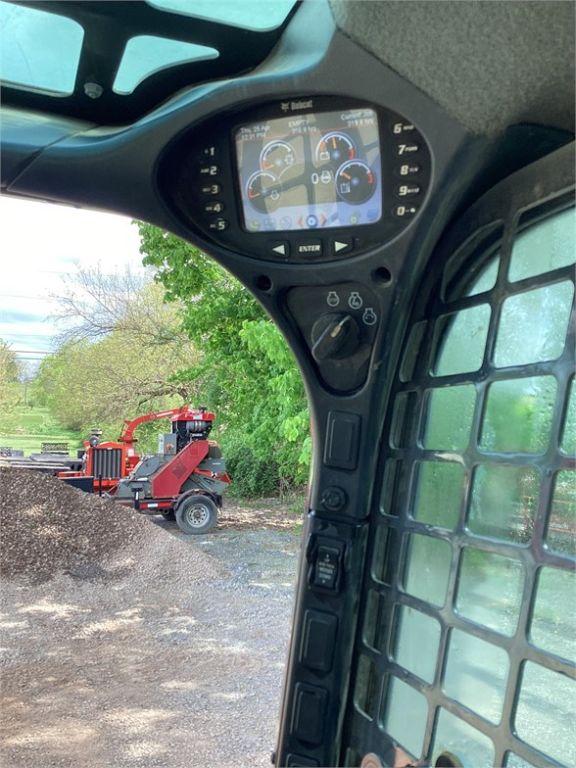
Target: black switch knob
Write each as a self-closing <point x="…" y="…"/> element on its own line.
<point x="334" y="337"/>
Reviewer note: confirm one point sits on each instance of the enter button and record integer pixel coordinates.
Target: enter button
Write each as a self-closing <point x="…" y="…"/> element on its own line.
<point x="309" y="248"/>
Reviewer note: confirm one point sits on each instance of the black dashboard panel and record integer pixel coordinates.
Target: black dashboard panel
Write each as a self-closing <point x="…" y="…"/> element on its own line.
<point x="299" y="180"/>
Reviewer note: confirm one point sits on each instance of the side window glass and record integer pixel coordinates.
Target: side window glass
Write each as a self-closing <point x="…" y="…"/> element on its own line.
<point x="544" y="247"/>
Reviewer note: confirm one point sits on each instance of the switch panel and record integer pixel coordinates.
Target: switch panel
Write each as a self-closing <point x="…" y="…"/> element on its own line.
<point x="339" y="323"/>
<point x="342" y="440"/>
<point x="308" y="715"/>
<point x="326" y="570"/>
<point x="325" y="556"/>
<point x="318" y="640"/>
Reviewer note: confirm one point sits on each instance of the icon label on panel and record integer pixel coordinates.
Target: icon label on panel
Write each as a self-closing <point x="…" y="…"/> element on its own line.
<point x="369" y="317"/>
<point x="355" y="300"/>
<point x="333" y="299"/>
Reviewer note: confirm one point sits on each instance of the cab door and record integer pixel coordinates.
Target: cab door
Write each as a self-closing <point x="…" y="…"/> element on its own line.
<point x="465" y="649"/>
<point x="463" y="652"/>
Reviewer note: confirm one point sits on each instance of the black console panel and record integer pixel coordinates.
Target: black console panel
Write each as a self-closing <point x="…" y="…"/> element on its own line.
<point x="305" y="180"/>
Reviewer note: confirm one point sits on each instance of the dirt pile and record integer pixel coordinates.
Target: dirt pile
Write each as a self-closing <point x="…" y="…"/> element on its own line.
<point x="126" y="643"/>
<point x="48" y="528"/>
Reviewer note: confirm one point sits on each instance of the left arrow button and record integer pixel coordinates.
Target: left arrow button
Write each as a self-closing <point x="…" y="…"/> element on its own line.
<point x="282" y="249"/>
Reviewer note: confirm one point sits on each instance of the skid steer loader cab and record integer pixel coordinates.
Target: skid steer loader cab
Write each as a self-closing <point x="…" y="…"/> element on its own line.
<point x="394" y="182"/>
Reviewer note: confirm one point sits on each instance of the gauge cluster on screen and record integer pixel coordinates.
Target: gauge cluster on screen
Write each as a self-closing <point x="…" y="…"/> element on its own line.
<point x="304" y="179"/>
<point x="310" y="171"/>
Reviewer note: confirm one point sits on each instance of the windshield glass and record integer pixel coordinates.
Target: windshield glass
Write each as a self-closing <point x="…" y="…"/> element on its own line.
<point x="43" y="50"/>
<point x="147" y="54"/>
<point x="32" y="44"/>
<point x="249" y="14"/>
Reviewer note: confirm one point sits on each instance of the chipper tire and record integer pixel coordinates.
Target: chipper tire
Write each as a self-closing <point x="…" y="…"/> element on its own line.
<point x="169" y="514"/>
<point x="196" y="515"/>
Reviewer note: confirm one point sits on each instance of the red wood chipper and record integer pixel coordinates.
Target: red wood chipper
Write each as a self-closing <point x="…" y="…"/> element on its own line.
<point x="184" y="480"/>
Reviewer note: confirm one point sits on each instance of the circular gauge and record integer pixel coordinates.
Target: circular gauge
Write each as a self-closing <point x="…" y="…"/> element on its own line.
<point x="276" y="157"/>
<point x="355" y="182"/>
<point x="335" y="148"/>
<point x="263" y="191"/>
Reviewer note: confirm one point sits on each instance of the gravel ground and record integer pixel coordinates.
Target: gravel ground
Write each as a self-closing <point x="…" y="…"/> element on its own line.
<point x="168" y="651"/>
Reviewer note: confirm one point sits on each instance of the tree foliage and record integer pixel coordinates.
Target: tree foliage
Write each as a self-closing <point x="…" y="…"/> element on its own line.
<point x="97" y="378"/>
<point x="246" y="371"/>
<point x="9" y="377"/>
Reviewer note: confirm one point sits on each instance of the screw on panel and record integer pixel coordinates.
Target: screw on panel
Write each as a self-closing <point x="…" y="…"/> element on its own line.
<point x="333" y="498"/>
<point x="93" y="90"/>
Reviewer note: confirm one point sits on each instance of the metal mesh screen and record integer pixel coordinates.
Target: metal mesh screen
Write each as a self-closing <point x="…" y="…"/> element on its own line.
<point x="467" y="643"/>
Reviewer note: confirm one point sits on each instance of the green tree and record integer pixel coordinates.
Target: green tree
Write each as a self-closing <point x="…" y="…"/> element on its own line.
<point x="9" y="377"/>
<point x="246" y="371"/>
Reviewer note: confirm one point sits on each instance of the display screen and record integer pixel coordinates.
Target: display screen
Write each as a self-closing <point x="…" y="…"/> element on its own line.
<point x="310" y="171"/>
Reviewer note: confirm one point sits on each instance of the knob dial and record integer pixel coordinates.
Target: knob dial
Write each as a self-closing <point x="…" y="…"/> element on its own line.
<point x="335" y="337"/>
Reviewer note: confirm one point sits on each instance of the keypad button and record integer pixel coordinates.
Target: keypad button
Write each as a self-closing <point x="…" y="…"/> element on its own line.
<point x="209" y="170"/>
<point x="407" y="169"/>
<point x="309" y="248"/>
<point x="218" y="225"/>
<point x="406" y="149"/>
<point x="407" y="190"/>
<point x="342" y="245"/>
<point x="280" y="248"/>
<point x="400" y="128"/>
<point x="214" y="206"/>
<point x="405" y="211"/>
<point x="211" y="189"/>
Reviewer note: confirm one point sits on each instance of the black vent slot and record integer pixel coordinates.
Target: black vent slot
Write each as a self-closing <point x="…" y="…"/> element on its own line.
<point x="107" y="462"/>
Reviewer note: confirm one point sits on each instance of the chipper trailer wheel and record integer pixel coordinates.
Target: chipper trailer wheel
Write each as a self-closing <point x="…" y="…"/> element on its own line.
<point x="196" y="514"/>
<point x="169" y="514"/>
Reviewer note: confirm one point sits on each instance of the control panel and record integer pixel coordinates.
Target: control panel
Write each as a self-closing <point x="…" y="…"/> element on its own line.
<point x="339" y="325"/>
<point x="299" y="180"/>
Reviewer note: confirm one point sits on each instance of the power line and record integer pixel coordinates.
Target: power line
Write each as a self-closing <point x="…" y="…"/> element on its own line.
<point x="25" y="296"/>
<point x="30" y="351"/>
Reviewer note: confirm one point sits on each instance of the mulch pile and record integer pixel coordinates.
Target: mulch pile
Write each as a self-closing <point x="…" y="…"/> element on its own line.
<point x="48" y="528"/>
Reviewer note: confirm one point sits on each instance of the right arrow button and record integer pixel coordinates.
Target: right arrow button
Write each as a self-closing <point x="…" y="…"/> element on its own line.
<point x="342" y="245"/>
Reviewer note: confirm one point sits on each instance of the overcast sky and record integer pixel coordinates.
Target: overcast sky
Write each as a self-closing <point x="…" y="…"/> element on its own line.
<point x="39" y="243"/>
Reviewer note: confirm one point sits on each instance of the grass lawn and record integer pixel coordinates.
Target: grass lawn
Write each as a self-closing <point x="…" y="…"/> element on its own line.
<point x="26" y="427"/>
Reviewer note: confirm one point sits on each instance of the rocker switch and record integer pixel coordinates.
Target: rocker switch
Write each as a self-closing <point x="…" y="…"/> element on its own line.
<point x="327" y="567"/>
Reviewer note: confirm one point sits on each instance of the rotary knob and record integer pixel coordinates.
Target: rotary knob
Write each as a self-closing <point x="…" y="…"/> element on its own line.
<point x="335" y="337"/>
